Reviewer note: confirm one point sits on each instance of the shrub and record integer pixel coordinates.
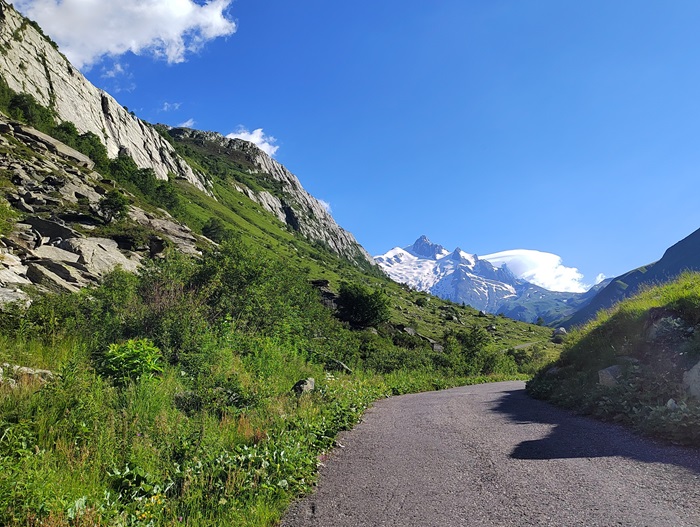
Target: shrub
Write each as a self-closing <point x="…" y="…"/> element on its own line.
<point x="361" y="306"/>
<point x="113" y="205"/>
<point x="130" y="360"/>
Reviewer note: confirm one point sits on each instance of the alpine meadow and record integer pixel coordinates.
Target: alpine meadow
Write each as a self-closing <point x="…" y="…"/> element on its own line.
<point x="185" y="329"/>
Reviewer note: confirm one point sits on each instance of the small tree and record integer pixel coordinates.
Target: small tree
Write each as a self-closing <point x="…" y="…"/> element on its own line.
<point x="214" y="229"/>
<point x="113" y="205"/>
<point x="361" y="306"/>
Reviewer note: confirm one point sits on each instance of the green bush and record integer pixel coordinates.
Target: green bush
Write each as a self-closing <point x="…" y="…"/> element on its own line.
<point x="361" y="306"/>
<point x="113" y="205"/>
<point x="130" y="360"/>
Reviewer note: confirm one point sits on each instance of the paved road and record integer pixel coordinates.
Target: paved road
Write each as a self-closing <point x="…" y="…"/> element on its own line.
<point x="488" y="455"/>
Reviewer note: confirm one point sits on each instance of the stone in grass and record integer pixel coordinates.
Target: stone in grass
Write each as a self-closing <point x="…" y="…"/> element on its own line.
<point x="304" y="386"/>
<point x="609" y="376"/>
<point x="691" y="381"/>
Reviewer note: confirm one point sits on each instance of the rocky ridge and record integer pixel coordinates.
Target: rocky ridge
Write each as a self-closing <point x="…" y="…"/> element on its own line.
<point x="57" y="195"/>
<point x="465" y="278"/>
<point x="30" y="63"/>
<point x="290" y="203"/>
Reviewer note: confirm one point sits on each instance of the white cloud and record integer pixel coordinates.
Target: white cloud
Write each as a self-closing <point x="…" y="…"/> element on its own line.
<point x="266" y="143"/>
<point x="599" y="278"/>
<point x="325" y="205"/>
<point x="540" y="268"/>
<point x="116" y="70"/>
<point x="170" y="106"/>
<point x="189" y="123"/>
<point x="88" y="30"/>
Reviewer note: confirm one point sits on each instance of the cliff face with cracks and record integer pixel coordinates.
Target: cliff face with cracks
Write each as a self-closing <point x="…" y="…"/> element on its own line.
<point x="31" y="63"/>
<point x="290" y="202"/>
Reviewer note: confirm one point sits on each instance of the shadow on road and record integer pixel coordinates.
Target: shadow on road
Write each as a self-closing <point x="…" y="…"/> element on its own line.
<point x="575" y="436"/>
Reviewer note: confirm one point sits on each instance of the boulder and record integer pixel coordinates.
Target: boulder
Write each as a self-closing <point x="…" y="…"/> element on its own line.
<point x="13" y="375"/>
<point x="304" y="386"/>
<point x="55" y="276"/>
<point x="50" y="229"/>
<point x="691" y="381"/>
<point x="609" y="376"/>
<point x="99" y="255"/>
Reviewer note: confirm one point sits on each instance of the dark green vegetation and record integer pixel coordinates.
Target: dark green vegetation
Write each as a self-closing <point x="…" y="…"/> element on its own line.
<point x="198" y="422"/>
<point x="653" y="338"/>
<point x="171" y="398"/>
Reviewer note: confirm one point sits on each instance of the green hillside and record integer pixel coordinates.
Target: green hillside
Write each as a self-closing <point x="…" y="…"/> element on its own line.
<point x="628" y="364"/>
<point x="166" y="397"/>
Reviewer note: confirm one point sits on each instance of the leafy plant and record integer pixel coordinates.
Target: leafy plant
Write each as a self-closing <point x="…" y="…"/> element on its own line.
<point x="130" y="360"/>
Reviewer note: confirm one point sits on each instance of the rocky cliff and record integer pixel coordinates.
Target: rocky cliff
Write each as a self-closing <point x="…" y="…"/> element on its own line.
<point x="283" y="196"/>
<point x="31" y="63"/>
<point x="59" y="244"/>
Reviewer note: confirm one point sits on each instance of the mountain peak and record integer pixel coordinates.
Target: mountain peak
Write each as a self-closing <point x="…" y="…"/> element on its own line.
<point x="425" y="248"/>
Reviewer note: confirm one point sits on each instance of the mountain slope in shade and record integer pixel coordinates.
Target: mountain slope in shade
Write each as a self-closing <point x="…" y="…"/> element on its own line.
<point x="465" y="278"/>
<point x="683" y="256"/>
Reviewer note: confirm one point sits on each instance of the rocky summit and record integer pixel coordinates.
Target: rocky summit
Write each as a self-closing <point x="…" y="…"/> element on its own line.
<point x="464" y="278"/>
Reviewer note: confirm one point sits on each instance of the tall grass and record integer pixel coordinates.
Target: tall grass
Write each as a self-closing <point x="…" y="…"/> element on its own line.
<point x="652" y="366"/>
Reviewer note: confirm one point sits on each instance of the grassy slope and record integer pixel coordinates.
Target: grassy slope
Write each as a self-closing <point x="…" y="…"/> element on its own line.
<point x="216" y="437"/>
<point x="654" y="338"/>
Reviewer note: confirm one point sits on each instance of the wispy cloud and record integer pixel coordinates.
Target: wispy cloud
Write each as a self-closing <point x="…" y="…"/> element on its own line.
<point x="189" y="123"/>
<point x="170" y="106"/>
<point x="325" y="205"/>
<point x="264" y="142"/>
<point x="88" y="31"/>
<point x="117" y="70"/>
<point x="540" y="268"/>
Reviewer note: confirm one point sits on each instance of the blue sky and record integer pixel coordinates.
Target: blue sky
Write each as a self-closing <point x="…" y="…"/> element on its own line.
<point x="566" y="127"/>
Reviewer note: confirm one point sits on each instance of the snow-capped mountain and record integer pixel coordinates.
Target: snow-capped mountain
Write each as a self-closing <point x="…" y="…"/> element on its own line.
<point x="465" y="278"/>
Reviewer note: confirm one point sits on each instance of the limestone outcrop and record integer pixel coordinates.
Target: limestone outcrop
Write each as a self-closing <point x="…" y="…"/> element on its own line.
<point x="53" y="246"/>
<point x="30" y="63"/>
<point x="291" y="203"/>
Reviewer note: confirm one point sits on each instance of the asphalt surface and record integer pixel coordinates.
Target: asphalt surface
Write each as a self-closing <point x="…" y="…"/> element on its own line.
<point x="488" y="455"/>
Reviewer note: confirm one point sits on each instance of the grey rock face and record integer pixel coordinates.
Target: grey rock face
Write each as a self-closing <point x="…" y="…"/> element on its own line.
<point x="29" y="63"/>
<point x="48" y="253"/>
<point x="294" y="206"/>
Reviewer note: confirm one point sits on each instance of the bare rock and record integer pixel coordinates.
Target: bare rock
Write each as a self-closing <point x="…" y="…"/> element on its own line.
<point x="304" y="386"/>
<point x="50" y="229"/>
<point x="691" y="381"/>
<point x="609" y="376"/>
<point x="99" y="255"/>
